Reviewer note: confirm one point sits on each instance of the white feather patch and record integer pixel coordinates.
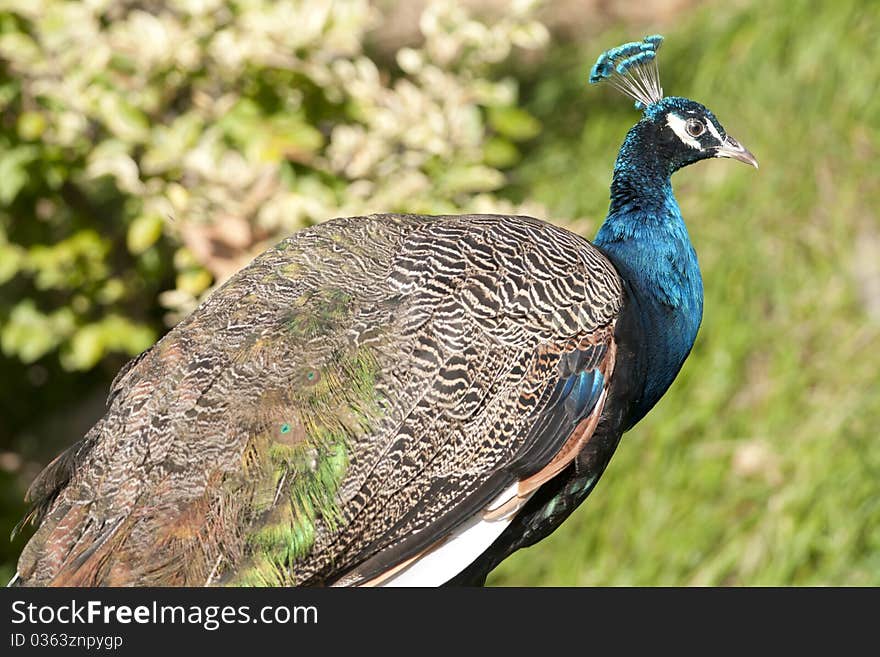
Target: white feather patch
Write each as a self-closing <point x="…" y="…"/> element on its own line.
<point x="508" y="494"/>
<point x="449" y="558"/>
<point x="679" y="127"/>
<point x="714" y="131"/>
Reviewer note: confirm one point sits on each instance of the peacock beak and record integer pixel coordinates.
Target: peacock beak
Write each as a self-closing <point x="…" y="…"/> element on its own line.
<point x="732" y="148"/>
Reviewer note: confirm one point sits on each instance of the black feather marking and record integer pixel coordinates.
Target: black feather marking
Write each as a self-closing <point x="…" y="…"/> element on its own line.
<point x="573" y="399"/>
<point x="44" y="490"/>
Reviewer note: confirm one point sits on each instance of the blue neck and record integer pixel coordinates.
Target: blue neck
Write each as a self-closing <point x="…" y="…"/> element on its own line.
<point x="645" y="237"/>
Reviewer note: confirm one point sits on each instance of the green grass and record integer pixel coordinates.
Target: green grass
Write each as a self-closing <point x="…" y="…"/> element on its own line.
<point x="761" y="464"/>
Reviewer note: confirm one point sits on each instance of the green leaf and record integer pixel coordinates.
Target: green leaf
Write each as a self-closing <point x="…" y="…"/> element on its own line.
<point x="170" y="143"/>
<point x="291" y="137"/>
<point x="12" y="257"/>
<point x="513" y="122"/>
<point x="111" y="158"/>
<point x="20" y="48"/>
<point x="123" y="119"/>
<point x="30" y="334"/>
<point x="530" y="35"/>
<point x="93" y="341"/>
<point x="143" y="232"/>
<point x="240" y="122"/>
<point x="111" y="292"/>
<point x="85" y="349"/>
<point x="31" y="125"/>
<point x="500" y="153"/>
<point x="473" y="178"/>
<point x="194" y="282"/>
<point x="13" y="171"/>
<point x="70" y="263"/>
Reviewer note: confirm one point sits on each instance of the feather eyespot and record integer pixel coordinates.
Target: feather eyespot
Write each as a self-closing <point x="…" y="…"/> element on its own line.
<point x="695" y="128"/>
<point x="310" y="377"/>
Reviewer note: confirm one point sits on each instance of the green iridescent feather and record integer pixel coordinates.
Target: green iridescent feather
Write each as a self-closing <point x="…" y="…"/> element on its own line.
<point x="304" y="449"/>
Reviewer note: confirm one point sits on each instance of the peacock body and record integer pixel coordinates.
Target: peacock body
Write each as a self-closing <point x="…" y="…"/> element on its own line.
<point x="391" y="399"/>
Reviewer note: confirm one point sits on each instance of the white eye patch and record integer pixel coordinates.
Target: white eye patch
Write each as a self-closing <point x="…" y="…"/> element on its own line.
<point x="678" y="126"/>
<point x="714" y="131"/>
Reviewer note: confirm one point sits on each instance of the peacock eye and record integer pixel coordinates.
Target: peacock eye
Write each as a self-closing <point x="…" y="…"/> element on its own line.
<point x="695" y="128"/>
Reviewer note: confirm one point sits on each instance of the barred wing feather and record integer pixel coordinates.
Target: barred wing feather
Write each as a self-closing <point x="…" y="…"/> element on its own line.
<point x="371" y="394"/>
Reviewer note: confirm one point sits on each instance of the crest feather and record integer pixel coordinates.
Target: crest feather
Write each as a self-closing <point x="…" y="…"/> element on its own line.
<point x="631" y="68"/>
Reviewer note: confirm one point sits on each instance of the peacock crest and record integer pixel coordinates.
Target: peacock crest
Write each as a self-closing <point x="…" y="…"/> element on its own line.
<point x="631" y="68"/>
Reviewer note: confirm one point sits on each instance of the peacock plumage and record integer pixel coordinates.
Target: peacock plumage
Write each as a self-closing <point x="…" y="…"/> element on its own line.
<point x="391" y="399"/>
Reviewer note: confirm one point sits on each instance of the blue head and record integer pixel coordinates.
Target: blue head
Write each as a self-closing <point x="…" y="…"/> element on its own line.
<point x="673" y="132"/>
<point x="682" y="131"/>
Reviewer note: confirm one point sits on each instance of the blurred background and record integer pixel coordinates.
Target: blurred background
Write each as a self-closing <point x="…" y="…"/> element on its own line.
<point x="150" y="148"/>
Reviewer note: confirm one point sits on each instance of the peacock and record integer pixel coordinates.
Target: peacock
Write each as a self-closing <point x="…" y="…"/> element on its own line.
<point x="393" y="399"/>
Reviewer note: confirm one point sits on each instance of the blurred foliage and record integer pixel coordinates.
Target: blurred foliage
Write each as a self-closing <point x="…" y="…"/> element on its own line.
<point x="162" y="144"/>
<point x="148" y="149"/>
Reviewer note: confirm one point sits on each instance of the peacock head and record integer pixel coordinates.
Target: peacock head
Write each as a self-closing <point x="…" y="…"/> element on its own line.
<point x="682" y="130"/>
